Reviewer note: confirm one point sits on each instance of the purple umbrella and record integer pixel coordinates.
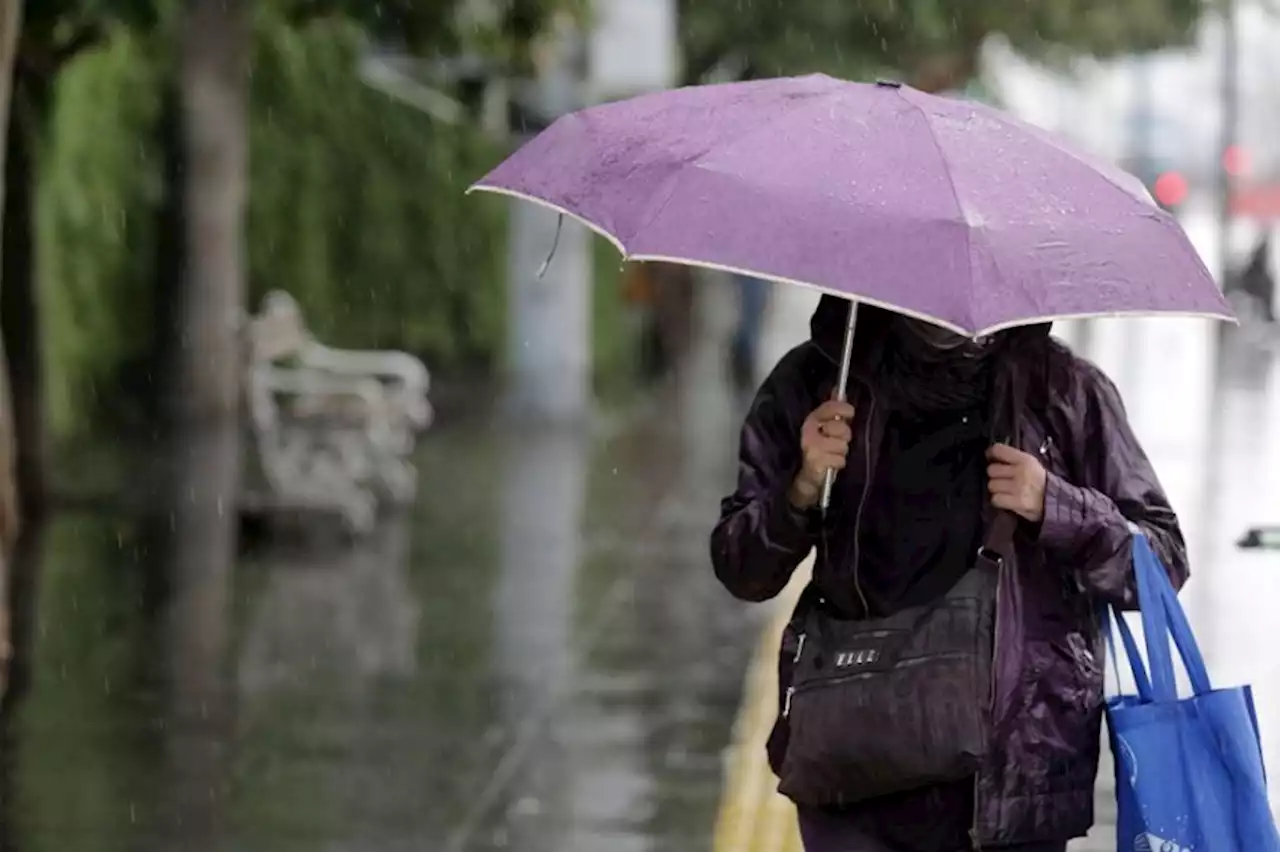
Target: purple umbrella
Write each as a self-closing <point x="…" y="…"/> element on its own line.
<point x="941" y="209"/>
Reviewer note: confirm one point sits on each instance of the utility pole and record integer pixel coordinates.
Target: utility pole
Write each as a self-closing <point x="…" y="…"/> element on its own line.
<point x="1142" y="157"/>
<point x="1230" y="97"/>
<point x="549" y="316"/>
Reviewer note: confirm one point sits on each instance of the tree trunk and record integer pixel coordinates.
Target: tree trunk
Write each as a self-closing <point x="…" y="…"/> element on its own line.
<point x="20" y="321"/>
<point x="22" y="598"/>
<point x="10" y="26"/>
<point x="208" y="306"/>
<point x="170" y="254"/>
<point x="213" y="87"/>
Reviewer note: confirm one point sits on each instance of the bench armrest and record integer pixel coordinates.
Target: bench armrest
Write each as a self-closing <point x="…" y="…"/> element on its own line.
<point x="400" y="366"/>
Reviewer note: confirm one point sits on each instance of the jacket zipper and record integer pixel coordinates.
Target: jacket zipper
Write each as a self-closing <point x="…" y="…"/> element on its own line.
<point x="857" y="520"/>
<point x="791" y="690"/>
<point x="995" y="652"/>
<point x="866" y="489"/>
<point x="823" y="684"/>
<point x="974" y="836"/>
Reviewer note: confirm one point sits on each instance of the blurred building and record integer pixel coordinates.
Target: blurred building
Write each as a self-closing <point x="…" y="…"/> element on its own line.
<point x="633" y="48"/>
<point x="1162" y="115"/>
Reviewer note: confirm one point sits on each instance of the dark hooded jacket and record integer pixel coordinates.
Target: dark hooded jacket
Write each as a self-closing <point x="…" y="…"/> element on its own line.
<point x="1037" y="782"/>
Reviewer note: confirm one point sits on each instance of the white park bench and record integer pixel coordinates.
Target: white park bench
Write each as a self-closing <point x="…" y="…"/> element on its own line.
<point x="332" y="430"/>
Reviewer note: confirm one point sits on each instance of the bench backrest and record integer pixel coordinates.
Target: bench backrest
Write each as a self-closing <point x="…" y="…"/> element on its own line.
<point x="277" y="332"/>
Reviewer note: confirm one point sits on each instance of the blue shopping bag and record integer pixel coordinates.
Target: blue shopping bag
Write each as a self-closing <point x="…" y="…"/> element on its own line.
<point x="1189" y="773"/>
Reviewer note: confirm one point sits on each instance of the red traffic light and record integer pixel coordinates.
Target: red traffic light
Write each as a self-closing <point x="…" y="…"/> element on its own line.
<point x="1171" y="189"/>
<point x="1235" y="160"/>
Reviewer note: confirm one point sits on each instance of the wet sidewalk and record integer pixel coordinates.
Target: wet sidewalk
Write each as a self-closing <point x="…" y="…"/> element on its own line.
<point x="536" y="657"/>
<point x="1208" y="412"/>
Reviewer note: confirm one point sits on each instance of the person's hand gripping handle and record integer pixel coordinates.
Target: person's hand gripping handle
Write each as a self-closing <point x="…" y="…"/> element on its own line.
<point x="824" y="446"/>
<point x="841" y="394"/>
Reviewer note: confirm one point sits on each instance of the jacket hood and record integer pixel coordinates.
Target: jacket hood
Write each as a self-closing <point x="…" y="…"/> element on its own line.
<point x="826" y="326"/>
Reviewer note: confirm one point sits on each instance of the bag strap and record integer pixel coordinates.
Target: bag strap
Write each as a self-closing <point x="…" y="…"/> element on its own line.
<point x="1184" y="639"/>
<point x="997" y="544"/>
<point x="1007" y="401"/>
<point x="997" y="547"/>
<point x="1111" y="616"/>
<point x="1162" y="618"/>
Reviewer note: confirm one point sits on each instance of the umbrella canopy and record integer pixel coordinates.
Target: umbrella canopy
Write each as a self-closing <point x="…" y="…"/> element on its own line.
<point x="942" y="209"/>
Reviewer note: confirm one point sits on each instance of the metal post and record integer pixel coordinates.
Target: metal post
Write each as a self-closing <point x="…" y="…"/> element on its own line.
<point x="1142" y="119"/>
<point x="549" y="343"/>
<point x="1230" y="96"/>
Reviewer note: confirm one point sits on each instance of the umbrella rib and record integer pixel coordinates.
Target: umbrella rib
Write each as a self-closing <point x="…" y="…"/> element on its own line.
<point x="955" y="195"/>
<point x="1100" y="166"/>
<point x="718" y="147"/>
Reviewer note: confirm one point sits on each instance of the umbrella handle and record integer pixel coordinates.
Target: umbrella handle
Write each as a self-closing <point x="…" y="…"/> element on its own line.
<point x="842" y="394"/>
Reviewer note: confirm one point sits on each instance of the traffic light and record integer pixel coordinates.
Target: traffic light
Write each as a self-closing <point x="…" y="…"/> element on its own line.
<point x="1171" y="189"/>
<point x="1235" y="161"/>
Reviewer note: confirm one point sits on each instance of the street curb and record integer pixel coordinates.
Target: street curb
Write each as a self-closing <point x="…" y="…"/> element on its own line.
<point x="753" y="816"/>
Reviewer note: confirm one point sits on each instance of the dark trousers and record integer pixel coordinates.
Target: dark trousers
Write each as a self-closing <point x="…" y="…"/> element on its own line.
<point x="825" y="832"/>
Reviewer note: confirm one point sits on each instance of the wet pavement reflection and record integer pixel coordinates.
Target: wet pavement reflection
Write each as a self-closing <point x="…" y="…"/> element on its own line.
<point x="536" y="657"/>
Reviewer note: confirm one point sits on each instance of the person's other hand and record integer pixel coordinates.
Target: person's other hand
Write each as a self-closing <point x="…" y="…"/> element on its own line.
<point x="1016" y="481"/>
<point x="824" y="445"/>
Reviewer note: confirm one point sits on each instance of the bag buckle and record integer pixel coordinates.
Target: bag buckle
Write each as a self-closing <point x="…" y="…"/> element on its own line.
<point x="991" y="556"/>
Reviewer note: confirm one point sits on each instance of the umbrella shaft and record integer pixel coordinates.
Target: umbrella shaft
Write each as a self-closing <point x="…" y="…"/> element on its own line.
<point x="842" y="391"/>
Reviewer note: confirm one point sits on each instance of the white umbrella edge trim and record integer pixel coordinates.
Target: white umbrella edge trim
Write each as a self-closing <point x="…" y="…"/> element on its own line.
<point x="627" y="257"/>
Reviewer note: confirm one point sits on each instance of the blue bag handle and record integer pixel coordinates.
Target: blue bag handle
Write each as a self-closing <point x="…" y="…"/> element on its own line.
<point x="1136" y="666"/>
<point x="1162" y="617"/>
<point x="1155" y="621"/>
<point x="1183" y="636"/>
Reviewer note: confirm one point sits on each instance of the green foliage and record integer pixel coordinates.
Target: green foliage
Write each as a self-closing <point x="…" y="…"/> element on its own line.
<point x="357" y="206"/>
<point x="423" y="25"/>
<point x="98" y="188"/>
<point x="504" y="33"/>
<point x="53" y="31"/>
<point x="614" y="324"/>
<point x="86" y="770"/>
<point x="903" y="36"/>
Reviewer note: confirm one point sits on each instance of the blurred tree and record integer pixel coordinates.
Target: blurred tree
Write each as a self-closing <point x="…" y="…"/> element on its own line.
<point x="422" y="28"/>
<point x="355" y="205"/>
<point x="213" y="83"/>
<point x="54" y="32"/>
<point x="357" y="208"/>
<point x="58" y="34"/>
<point x="506" y="33"/>
<point x="932" y="44"/>
<point x="10" y="26"/>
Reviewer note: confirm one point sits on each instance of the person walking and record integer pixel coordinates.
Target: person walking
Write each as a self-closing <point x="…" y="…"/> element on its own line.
<point x="744" y="347"/>
<point x="667" y="291"/>
<point x="984" y="509"/>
